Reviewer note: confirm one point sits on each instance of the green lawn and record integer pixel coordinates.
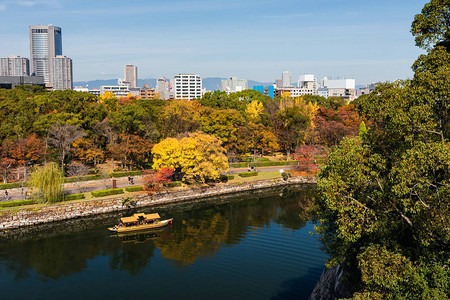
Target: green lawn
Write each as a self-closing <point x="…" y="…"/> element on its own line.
<point x="260" y="176"/>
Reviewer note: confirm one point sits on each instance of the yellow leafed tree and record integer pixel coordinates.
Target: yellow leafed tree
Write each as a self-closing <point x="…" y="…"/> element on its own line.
<point x="308" y="109"/>
<point x="166" y="154"/>
<point x="200" y="156"/>
<point x="254" y="110"/>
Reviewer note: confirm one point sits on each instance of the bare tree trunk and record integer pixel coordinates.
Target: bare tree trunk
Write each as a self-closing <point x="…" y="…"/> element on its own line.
<point x="62" y="159"/>
<point x="25" y="172"/>
<point x="288" y="152"/>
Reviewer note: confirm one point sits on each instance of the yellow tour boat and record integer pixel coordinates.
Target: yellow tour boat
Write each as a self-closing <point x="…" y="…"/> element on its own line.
<point x="139" y="221"/>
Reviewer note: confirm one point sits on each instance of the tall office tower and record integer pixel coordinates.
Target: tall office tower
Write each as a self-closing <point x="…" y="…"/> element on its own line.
<point x="45" y="43"/>
<point x="162" y="89"/>
<point x="278" y="83"/>
<point x="130" y="75"/>
<point x="61" y="73"/>
<point x="187" y="86"/>
<point x="286" y="77"/>
<point x="14" y="66"/>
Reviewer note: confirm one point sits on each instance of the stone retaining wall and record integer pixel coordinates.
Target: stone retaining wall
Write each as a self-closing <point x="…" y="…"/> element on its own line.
<point x="17" y="218"/>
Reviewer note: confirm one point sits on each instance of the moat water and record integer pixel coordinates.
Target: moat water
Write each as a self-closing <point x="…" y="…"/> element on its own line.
<point x="248" y="247"/>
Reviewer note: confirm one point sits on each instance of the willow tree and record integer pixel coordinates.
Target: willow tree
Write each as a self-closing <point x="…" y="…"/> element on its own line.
<point x="48" y="181"/>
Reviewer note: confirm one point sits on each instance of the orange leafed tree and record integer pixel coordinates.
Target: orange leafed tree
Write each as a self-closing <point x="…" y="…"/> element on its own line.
<point x="6" y="163"/>
<point x="86" y="151"/>
<point x="132" y="149"/>
<point x="154" y="180"/>
<point x="26" y="151"/>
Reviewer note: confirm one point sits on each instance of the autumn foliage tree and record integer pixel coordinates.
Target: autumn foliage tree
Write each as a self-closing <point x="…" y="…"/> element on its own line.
<point x="86" y="151"/>
<point x="26" y="151"/>
<point x="306" y="155"/>
<point x="132" y="150"/>
<point x="6" y="163"/>
<point x="155" y="180"/>
<point x="199" y="156"/>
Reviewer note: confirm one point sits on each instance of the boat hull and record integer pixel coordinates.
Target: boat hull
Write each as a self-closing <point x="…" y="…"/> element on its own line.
<point x="140" y="227"/>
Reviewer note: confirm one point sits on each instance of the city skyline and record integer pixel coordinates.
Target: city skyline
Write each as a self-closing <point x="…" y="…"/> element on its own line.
<point x="253" y="40"/>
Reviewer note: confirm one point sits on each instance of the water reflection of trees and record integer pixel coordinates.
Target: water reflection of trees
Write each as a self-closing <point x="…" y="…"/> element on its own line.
<point x="203" y="231"/>
<point x="195" y="233"/>
<point x="65" y="255"/>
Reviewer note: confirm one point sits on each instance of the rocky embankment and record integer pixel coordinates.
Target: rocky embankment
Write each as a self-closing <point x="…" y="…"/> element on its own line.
<point x="330" y="286"/>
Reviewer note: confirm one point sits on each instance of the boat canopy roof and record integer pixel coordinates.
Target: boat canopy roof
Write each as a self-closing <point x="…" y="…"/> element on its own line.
<point x="152" y="216"/>
<point x="136" y="217"/>
<point x="129" y="219"/>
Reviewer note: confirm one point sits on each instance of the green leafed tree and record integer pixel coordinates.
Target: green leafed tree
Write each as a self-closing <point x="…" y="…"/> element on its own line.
<point x="384" y="196"/>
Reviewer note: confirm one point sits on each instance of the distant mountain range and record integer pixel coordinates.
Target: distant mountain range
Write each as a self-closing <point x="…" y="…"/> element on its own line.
<point x="210" y="83"/>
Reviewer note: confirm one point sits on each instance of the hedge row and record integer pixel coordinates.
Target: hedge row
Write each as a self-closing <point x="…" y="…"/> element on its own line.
<point x="81" y="178"/>
<point x="124" y="174"/>
<point x="174" y="184"/>
<point x="17" y="203"/>
<point x="7" y="186"/>
<point x="263" y="164"/>
<point x="73" y="197"/>
<point x="248" y="174"/>
<point x="107" y="192"/>
<point x="225" y="178"/>
<point x="137" y="188"/>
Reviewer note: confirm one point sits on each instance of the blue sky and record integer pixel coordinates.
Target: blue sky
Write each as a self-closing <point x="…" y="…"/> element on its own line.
<point x="366" y="40"/>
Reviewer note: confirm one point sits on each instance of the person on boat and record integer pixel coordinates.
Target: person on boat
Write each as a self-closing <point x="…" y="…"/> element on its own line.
<point x="120" y="224"/>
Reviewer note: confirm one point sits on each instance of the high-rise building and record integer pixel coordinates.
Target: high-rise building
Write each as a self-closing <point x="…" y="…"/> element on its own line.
<point x="233" y="85"/>
<point x="14" y="66"/>
<point x="286" y="78"/>
<point x="61" y="73"/>
<point x="187" y="86"/>
<point x="278" y="83"/>
<point x="162" y="89"/>
<point x="130" y="75"/>
<point x="45" y="43"/>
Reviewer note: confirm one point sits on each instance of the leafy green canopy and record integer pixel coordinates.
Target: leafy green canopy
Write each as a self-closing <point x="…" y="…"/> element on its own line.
<point x="384" y="196"/>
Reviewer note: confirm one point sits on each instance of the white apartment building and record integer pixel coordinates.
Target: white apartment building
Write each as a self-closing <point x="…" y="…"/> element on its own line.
<point x="14" y="66"/>
<point x="343" y="88"/>
<point x="122" y="89"/>
<point x="186" y="86"/>
<point x="61" y="73"/>
<point x="307" y="84"/>
<point x="233" y="85"/>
